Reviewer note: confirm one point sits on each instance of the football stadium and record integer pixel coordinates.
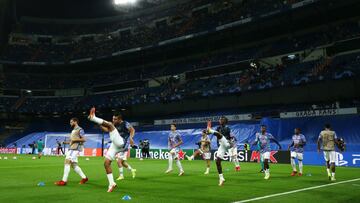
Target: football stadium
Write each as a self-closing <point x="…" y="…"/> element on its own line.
<point x="179" y="101"/>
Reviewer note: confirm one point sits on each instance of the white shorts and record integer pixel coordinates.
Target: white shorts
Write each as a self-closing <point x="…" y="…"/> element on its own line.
<point x="265" y="155"/>
<point x="122" y="155"/>
<point x="223" y="148"/>
<point x="174" y="152"/>
<point x="116" y="139"/>
<point x="72" y="155"/>
<point x="297" y="155"/>
<point x="233" y="151"/>
<point x="206" y="155"/>
<point x="116" y="145"/>
<point x="330" y="156"/>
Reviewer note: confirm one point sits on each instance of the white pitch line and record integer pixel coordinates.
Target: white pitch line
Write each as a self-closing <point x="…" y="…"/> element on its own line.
<point x="299" y="190"/>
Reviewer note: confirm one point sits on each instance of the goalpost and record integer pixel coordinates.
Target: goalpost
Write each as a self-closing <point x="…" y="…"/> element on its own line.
<point x="93" y="141"/>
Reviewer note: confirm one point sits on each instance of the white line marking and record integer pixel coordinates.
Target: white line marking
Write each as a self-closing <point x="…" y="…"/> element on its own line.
<point x="299" y="190"/>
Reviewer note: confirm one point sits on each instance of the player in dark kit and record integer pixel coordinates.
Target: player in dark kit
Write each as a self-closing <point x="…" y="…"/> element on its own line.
<point x="127" y="132"/>
<point x="59" y="148"/>
<point x="146" y="149"/>
<point x="222" y="134"/>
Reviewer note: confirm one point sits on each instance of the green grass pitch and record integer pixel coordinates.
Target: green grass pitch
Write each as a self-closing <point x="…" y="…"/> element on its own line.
<point x="19" y="179"/>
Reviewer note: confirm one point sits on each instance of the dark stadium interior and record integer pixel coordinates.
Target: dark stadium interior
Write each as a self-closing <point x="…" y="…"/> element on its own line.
<point x="232" y="49"/>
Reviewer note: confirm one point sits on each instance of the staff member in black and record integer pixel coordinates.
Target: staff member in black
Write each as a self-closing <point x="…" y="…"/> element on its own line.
<point x="59" y="147"/>
<point x="146" y="149"/>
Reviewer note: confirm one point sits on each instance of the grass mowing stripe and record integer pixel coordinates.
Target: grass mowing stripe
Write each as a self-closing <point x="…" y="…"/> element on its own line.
<point x="299" y="190"/>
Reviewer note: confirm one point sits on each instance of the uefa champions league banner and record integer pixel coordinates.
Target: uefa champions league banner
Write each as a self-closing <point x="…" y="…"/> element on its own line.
<point x="350" y="159"/>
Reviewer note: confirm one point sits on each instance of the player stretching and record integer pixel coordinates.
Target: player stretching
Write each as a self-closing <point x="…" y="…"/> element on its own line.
<point x="328" y="139"/>
<point x="224" y="146"/>
<point x="225" y="131"/>
<point x="264" y="139"/>
<point x="76" y="146"/>
<point x="127" y="132"/>
<point x="297" y="144"/>
<point x="174" y="142"/>
<point x="117" y="144"/>
<point x="204" y="151"/>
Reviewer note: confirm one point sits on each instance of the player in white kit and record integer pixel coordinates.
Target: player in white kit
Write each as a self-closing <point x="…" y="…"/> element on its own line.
<point x="297" y="151"/>
<point x="174" y="143"/>
<point x="77" y="139"/>
<point x="326" y="141"/>
<point x="204" y="151"/>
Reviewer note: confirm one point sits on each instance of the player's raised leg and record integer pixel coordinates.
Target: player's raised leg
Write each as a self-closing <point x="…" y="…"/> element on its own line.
<point x="196" y="153"/>
<point x="106" y="124"/>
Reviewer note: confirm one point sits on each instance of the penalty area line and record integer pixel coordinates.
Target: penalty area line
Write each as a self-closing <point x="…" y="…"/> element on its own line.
<point x="299" y="190"/>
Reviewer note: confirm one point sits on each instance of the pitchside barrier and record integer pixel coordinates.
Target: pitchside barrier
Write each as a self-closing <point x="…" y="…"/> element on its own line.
<point x="243" y="156"/>
<point x="8" y="151"/>
<point x="350" y="159"/>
